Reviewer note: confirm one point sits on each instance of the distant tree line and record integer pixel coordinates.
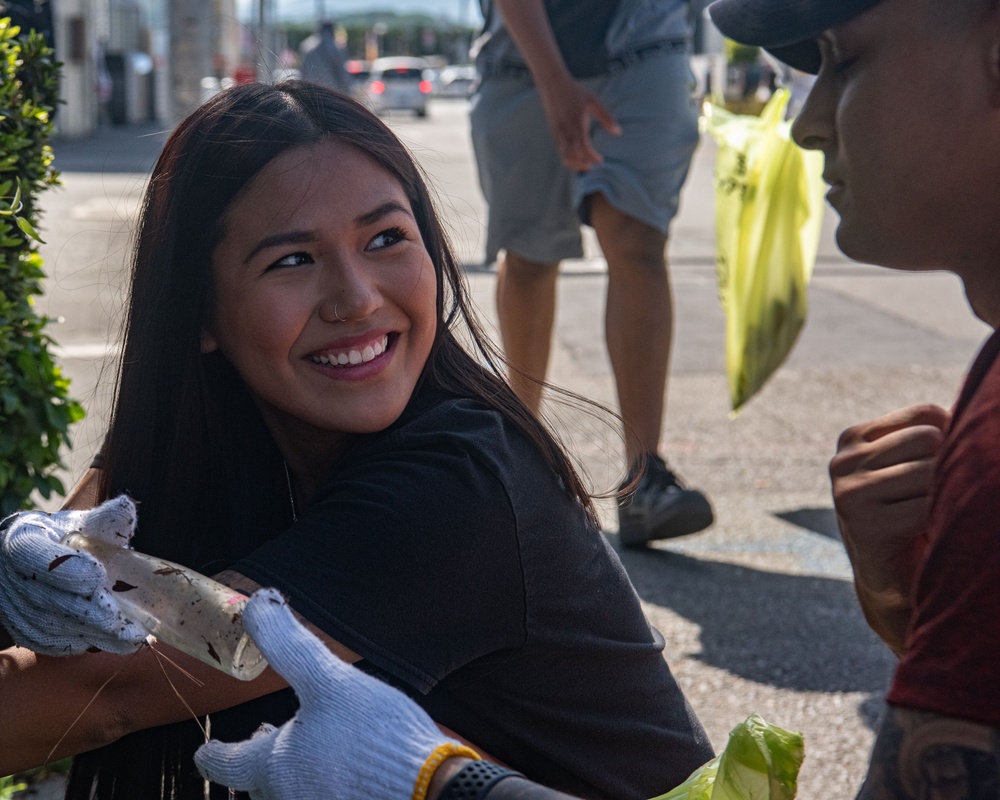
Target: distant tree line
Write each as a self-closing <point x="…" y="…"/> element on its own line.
<point x="399" y="34"/>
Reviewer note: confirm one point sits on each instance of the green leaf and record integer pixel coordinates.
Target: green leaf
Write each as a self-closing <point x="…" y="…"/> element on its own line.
<point x="25" y="226"/>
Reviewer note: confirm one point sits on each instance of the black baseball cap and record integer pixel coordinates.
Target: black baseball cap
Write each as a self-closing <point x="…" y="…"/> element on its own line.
<point x="787" y="29"/>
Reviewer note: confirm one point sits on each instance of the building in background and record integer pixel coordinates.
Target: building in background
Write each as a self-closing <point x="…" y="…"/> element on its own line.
<point x="132" y="61"/>
<point x="70" y="27"/>
<point x="137" y="61"/>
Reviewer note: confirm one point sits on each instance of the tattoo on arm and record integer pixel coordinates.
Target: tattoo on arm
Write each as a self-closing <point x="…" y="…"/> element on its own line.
<point x="234" y="580"/>
<point x="919" y="755"/>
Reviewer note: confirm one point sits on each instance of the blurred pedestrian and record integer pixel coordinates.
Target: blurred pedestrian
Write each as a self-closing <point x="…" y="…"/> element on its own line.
<point x="584" y="115"/>
<point x="323" y="60"/>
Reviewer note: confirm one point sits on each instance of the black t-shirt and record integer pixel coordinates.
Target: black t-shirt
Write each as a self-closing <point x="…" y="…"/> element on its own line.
<point x="447" y="554"/>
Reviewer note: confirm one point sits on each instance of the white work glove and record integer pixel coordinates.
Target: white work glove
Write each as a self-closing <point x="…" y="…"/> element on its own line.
<point x="354" y="737"/>
<point x="53" y="599"/>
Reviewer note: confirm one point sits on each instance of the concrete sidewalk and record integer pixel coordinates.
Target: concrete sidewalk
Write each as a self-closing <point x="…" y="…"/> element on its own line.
<point x="111" y="149"/>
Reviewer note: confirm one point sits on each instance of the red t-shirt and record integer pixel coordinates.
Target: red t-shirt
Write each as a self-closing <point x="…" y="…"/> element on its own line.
<point x="952" y="665"/>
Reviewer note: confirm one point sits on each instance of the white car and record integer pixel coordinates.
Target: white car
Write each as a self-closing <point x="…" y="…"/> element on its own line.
<point x="456" y="80"/>
<point x="397" y="84"/>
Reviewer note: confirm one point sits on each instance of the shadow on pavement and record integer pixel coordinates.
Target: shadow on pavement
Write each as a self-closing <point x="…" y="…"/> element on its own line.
<point x="802" y="633"/>
<point x="818" y="520"/>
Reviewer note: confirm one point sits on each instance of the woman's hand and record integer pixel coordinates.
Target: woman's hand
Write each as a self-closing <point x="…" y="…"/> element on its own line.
<point x="53" y="599"/>
<point x="353" y="735"/>
<point x="881" y="478"/>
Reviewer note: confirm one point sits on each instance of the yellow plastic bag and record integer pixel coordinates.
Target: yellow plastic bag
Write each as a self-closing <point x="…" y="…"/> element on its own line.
<point x="761" y="762"/>
<point x="768" y="214"/>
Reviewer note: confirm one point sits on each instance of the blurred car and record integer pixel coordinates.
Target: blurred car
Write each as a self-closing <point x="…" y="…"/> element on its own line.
<point x="397" y="84"/>
<point x="360" y="71"/>
<point x="456" y="80"/>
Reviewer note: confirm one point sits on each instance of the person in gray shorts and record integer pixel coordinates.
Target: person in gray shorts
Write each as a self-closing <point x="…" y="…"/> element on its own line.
<point x="584" y="114"/>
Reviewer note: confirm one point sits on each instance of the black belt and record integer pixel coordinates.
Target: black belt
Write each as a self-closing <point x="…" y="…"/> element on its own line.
<point x="630" y="57"/>
<point x="619" y="62"/>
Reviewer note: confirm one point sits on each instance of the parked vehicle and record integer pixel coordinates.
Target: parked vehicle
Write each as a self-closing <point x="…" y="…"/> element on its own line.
<point x="456" y="80"/>
<point x="397" y="84"/>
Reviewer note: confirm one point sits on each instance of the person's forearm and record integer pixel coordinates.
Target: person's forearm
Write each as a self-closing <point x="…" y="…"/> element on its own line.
<point x="444" y="774"/>
<point x="90" y="700"/>
<point x="39" y="699"/>
<point x="529" y="27"/>
<point x="518" y="788"/>
<point x="569" y="106"/>
<point x="887" y="614"/>
<point x="51" y="707"/>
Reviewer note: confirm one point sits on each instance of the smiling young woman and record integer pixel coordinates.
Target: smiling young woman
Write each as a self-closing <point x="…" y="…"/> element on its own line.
<point x="294" y="410"/>
<point x="323" y="264"/>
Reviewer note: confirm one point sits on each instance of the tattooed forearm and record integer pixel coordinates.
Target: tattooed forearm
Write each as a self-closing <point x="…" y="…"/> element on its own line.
<point x="235" y="580"/>
<point x="924" y="756"/>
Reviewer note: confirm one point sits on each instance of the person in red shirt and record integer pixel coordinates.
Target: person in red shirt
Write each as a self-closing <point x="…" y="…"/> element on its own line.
<point x="906" y="111"/>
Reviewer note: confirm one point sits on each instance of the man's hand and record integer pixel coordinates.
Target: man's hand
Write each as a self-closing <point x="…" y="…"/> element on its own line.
<point x="881" y="477"/>
<point x="569" y="109"/>
<point x="568" y="106"/>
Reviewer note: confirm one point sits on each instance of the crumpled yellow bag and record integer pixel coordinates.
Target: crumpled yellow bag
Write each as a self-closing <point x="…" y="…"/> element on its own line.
<point x="768" y="214"/>
<point x="761" y="762"/>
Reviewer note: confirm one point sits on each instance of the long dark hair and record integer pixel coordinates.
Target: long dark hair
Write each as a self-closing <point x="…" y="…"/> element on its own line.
<point x="185" y="439"/>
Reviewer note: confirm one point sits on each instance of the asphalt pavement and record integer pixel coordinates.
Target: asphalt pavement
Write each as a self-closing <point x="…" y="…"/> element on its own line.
<point x="758" y="612"/>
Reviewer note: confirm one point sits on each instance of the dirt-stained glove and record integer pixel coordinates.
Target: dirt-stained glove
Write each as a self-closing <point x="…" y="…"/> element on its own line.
<point x="53" y="599"/>
<point x="353" y="736"/>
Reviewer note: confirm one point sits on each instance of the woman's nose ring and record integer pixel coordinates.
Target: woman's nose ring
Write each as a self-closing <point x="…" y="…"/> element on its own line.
<point x="336" y="312"/>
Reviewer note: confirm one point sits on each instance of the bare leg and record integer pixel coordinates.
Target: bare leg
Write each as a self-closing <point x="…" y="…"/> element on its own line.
<point x="639" y="324"/>
<point x="526" y="306"/>
<point x="639" y="321"/>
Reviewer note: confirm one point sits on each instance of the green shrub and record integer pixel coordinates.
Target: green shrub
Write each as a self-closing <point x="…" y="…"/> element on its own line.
<point x="35" y="408"/>
<point x="12" y="784"/>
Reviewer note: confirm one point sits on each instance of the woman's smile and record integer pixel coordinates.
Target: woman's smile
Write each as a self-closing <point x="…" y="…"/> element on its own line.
<point x="345" y="358"/>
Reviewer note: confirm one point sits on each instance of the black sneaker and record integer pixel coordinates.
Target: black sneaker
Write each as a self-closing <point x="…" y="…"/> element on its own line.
<point x="660" y="507"/>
